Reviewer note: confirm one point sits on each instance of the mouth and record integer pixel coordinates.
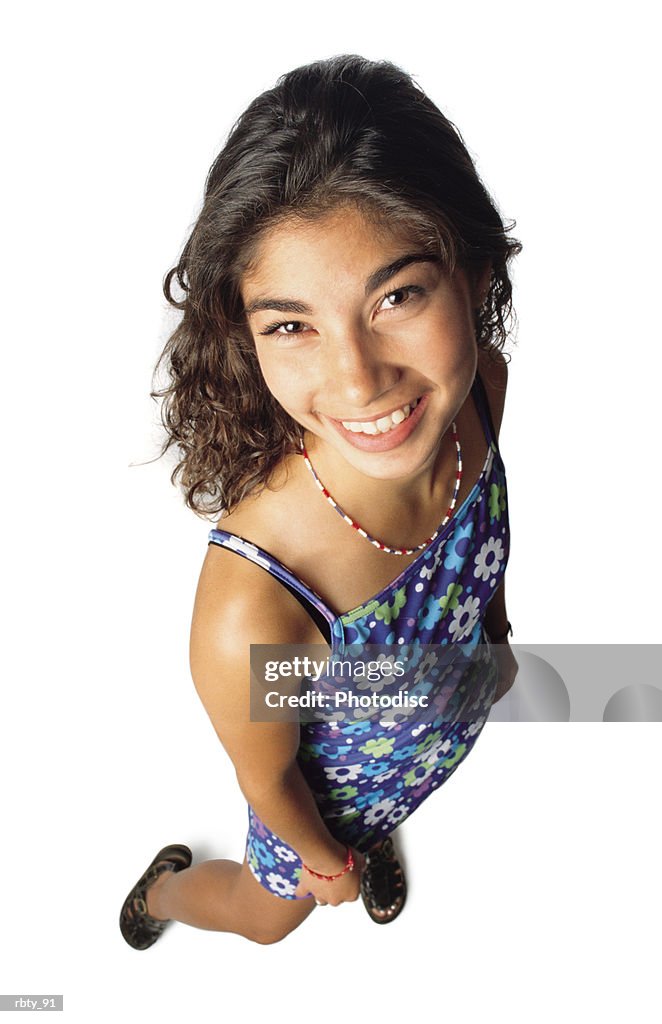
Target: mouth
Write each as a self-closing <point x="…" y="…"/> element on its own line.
<point x="384" y="432"/>
<point x="383" y="424"/>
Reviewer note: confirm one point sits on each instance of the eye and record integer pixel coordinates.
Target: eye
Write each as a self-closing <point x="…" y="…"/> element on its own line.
<point x="284" y="327"/>
<point x="399" y="297"/>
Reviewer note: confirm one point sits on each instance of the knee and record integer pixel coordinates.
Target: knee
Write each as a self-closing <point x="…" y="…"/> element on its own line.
<point x="268" y="937"/>
<point x="268" y="934"/>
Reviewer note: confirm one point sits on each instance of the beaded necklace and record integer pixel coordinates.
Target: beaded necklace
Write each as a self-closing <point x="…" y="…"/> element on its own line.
<point x="359" y="529"/>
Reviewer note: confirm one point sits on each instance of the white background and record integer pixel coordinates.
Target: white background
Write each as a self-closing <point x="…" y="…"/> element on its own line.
<point x="534" y="877"/>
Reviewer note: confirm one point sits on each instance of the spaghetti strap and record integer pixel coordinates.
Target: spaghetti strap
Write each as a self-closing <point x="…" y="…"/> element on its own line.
<point x="322" y="616"/>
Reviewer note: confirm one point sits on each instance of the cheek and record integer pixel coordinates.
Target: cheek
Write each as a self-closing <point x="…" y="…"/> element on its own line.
<point x="282" y="381"/>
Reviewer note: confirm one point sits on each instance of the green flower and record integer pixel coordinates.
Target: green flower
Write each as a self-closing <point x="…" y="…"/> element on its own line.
<point x="378" y="748"/>
<point x="497" y="501"/>
<point x="417" y="775"/>
<point x="388" y="612"/>
<point x="456" y="756"/>
<point x="431" y="738"/>
<point x="450" y="600"/>
<point x="343" y="793"/>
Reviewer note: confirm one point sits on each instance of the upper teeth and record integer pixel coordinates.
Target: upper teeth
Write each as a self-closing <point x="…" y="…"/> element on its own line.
<point x="383" y="424"/>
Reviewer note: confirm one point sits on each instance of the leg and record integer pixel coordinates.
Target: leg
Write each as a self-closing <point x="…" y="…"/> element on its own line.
<point x="222" y="895"/>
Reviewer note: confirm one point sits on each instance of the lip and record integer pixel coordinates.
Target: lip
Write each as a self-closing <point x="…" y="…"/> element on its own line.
<point x="382" y="442"/>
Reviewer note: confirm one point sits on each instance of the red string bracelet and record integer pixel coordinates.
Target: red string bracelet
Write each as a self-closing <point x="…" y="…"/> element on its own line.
<point x="349" y="866"/>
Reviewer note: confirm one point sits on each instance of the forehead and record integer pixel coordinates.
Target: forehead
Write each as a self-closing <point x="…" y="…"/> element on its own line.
<point x="343" y="247"/>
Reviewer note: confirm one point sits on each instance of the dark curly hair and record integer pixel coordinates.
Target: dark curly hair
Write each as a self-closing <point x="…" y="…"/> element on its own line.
<point x="344" y="130"/>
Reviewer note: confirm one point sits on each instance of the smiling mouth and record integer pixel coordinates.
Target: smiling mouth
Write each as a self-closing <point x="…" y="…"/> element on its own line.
<point x="382" y="424"/>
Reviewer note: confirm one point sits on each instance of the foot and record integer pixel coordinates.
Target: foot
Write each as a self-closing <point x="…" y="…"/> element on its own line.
<point x="383" y="886"/>
<point x="153" y="896"/>
<point x="140" y="928"/>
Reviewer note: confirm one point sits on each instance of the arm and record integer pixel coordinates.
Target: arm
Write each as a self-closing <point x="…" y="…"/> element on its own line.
<point x="494" y="374"/>
<point x="225" y="623"/>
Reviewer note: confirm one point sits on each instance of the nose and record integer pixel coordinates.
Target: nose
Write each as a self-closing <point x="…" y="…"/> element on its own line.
<point x="357" y="372"/>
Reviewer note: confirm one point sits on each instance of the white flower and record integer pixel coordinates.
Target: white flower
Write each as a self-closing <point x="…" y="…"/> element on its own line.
<point x="285" y="854"/>
<point x="429" y="569"/>
<point x="483" y="568"/>
<point x="280" y="885"/>
<point x="397" y="815"/>
<point x="433" y="753"/>
<point x="386" y="676"/>
<point x="379" y="811"/>
<point x="470" y="608"/>
<point x="475" y="727"/>
<point x="428" y="663"/>
<point x="343" y="773"/>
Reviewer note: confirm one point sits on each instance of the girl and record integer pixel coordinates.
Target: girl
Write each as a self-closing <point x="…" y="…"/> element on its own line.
<point x="336" y="390"/>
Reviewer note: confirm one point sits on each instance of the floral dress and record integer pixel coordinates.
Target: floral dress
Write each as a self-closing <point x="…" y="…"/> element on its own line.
<point x="369" y="771"/>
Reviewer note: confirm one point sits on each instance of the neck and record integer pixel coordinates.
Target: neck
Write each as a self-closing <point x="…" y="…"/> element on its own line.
<point x="407" y="506"/>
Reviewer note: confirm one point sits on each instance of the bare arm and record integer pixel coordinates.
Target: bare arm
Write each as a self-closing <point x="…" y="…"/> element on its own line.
<point x="238" y="604"/>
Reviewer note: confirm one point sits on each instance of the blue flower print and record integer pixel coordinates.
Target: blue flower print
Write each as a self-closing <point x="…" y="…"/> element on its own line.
<point x="360" y="629"/>
<point x="355" y="728"/>
<point x="370" y="769"/>
<point x="265" y="857"/>
<point x="369" y="798"/>
<point x="376" y="768"/>
<point x="430" y="613"/>
<point x="458" y="546"/>
<point x="412" y="652"/>
<point x="404" y="753"/>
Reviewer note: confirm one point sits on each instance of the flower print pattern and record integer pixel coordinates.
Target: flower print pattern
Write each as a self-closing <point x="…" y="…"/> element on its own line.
<point x="464" y="619"/>
<point x="390" y="610"/>
<point x="430" y="613"/>
<point x="488" y="559"/>
<point x="343" y="773"/>
<point x="458" y="547"/>
<point x="379" y="811"/>
<point x="426" y="666"/>
<point x="281" y="886"/>
<point x="497" y="500"/>
<point x="369" y="772"/>
<point x="285" y="853"/>
<point x="450" y="600"/>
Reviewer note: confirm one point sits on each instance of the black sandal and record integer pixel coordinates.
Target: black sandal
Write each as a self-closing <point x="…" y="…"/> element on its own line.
<point x="383" y="885"/>
<point x="138" y="928"/>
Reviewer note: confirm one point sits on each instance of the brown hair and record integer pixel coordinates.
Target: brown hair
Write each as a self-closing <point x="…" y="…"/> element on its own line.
<point x="338" y="131"/>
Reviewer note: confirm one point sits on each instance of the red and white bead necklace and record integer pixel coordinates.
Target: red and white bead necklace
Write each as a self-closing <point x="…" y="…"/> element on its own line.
<point x="359" y="529"/>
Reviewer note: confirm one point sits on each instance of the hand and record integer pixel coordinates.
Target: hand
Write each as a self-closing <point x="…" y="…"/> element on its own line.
<point x="507" y="666"/>
<point x="345" y="889"/>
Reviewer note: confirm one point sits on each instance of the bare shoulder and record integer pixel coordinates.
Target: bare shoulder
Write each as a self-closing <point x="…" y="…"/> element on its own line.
<point x="238" y="604"/>
<point x="493" y="370"/>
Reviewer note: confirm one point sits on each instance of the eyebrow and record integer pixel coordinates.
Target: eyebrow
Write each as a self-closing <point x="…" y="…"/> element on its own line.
<point x="376" y="280"/>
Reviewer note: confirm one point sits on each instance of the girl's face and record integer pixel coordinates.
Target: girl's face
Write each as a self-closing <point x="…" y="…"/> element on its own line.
<point x="362" y="338"/>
